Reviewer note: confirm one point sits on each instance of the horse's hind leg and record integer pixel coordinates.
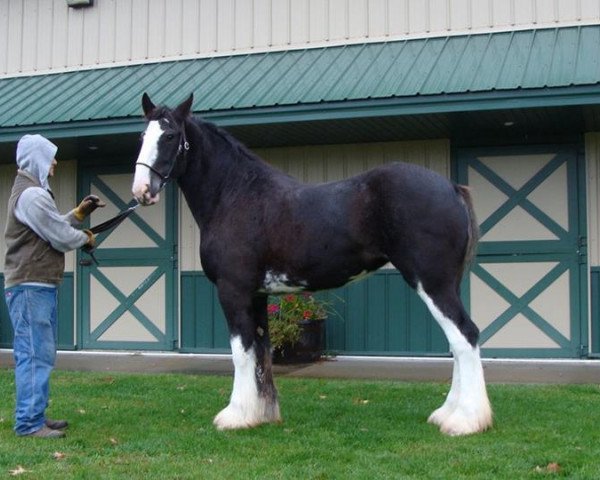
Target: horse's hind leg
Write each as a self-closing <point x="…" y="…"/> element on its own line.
<point x="467" y="408"/>
<point x="254" y="397"/>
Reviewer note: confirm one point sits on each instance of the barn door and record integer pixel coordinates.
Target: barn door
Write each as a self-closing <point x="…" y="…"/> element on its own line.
<point x="128" y="301"/>
<point x="527" y="286"/>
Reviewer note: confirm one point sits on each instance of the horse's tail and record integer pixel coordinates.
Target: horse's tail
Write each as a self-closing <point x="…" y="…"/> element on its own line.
<point x="473" y="227"/>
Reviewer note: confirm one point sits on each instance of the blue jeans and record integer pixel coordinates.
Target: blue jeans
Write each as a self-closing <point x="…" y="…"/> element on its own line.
<point x="32" y="311"/>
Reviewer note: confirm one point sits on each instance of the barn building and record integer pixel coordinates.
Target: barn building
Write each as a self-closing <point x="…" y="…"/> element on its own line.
<point x="500" y="95"/>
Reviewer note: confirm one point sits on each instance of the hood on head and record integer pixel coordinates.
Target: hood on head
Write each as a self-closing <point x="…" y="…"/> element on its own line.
<point x="34" y="156"/>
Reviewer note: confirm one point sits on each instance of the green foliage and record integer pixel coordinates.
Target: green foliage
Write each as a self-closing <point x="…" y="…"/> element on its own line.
<point x="286" y="311"/>
<point x="160" y="427"/>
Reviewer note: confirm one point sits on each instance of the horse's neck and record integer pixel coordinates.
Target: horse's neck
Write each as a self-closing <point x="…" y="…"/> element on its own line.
<point x="212" y="169"/>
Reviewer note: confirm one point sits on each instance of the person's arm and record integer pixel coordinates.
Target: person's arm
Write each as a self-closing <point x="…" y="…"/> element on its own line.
<point x="36" y="209"/>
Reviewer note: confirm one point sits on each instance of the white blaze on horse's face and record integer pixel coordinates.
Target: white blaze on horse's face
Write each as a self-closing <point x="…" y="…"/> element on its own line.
<point x="147" y="157"/>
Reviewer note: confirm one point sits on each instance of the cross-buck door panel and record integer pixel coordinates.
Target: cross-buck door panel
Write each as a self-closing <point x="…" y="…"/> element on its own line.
<point x="525" y="286"/>
<point x="129" y="300"/>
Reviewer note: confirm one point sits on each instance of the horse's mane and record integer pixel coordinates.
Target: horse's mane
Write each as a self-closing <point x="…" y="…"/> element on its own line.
<point x="237" y="147"/>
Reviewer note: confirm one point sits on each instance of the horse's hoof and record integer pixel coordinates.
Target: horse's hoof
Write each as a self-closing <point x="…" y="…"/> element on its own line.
<point x="231" y="418"/>
<point x="460" y="424"/>
<point x="439" y="416"/>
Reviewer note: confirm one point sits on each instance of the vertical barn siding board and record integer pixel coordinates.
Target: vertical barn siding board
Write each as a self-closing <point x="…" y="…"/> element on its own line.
<point x="280" y="24"/>
<point x="90" y="54"/>
<point x="173" y="36"/>
<point x="225" y="25"/>
<point x="244" y="25"/>
<point x="261" y="23"/>
<point x="439" y="16"/>
<point x="398" y="17"/>
<point x="377" y="16"/>
<point x="319" y="18"/>
<point x="546" y="11"/>
<point x="590" y="8"/>
<point x="358" y="18"/>
<point x="108" y="31"/>
<point x="417" y="324"/>
<point x="524" y="11"/>
<point x="123" y="30"/>
<point x="299" y="18"/>
<point x="220" y="329"/>
<point x="376" y="297"/>
<point x="418" y="21"/>
<point x="208" y="26"/>
<point x="396" y="336"/>
<point x="190" y="29"/>
<point x="139" y="29"/>
<point x="338" y="20"/>
<point x="204" y="313"/>
<point x="187" y="302"/>
<point x="357" y="316"/>
<point x="30" y="34"/>
<point x="59" y="35"/>
<point x="15" y="36"/>
<point x="156" y="31"/>
<point x="75" y="37"/>
<point x="4" y="43"/>
<point x="592" y="152"/>
<point x="482" y="14"/>
<point x="502" y="13"/>
<point x="569" y="10"/>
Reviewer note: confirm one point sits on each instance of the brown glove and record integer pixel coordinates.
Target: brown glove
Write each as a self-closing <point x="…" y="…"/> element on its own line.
<point x="91" y="243"/>
<point x="87" y="206"/>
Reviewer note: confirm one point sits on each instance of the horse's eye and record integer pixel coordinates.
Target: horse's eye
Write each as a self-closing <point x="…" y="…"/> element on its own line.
<point x="170" y="136"/>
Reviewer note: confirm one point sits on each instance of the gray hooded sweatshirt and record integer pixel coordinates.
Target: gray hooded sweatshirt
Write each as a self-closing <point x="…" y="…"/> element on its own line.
<point x="36" y="207"/>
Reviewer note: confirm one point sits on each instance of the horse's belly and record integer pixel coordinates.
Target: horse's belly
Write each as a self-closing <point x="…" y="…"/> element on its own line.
<point x="275" y="283"/>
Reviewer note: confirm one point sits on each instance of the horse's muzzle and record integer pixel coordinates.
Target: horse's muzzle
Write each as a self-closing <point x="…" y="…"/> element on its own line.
<point x="144" y="197"/>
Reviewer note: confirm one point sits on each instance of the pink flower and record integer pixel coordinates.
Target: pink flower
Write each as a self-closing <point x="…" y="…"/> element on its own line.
<point x="290" y="298"/>
<point x="272" y="309"/>
<point x="307" y="314"/>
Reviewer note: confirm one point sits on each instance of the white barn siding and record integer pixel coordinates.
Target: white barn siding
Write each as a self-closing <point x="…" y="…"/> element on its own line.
<point x="315" y="164"/>
<point x="42" y="35"/>
<point x="592" y="153"/>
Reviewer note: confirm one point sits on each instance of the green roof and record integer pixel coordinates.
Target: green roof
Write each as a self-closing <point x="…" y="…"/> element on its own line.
<point x="518" y="69"/>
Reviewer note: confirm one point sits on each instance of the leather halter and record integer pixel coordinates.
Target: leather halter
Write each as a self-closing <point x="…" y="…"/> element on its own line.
<point x="183" y="148"/>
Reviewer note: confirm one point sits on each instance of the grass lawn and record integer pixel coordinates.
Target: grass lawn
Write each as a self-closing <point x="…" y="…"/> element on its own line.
<point x="160" y="427"/>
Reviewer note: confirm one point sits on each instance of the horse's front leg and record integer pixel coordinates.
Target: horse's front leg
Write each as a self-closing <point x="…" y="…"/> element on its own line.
<point x="254" y="396"/>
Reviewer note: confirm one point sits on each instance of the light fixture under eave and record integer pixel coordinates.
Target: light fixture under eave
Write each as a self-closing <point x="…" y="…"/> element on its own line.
<point x="92" y="148"/>
<point x="508" y="124"/>
<point x="80" y="3"/>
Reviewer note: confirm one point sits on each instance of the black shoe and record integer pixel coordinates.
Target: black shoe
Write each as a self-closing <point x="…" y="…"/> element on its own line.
<point x="57" y="424"/>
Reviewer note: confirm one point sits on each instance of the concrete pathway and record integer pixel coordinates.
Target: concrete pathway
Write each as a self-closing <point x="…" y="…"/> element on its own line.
<point x="381" y="368"/>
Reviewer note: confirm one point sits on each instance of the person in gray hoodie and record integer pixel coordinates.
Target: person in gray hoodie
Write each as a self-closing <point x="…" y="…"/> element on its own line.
<point x="37" y="237"/>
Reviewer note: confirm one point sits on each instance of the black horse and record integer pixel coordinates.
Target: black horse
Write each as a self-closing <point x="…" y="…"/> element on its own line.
<point x="263" y="232"/>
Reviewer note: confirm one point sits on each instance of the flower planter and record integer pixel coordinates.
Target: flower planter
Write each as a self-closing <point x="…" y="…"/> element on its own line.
<point x="308" y="348"/>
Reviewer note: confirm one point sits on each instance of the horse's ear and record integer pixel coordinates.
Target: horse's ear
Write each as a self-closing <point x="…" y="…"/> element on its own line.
<point x="147" y="105"/>
<point x="184" y="108"/>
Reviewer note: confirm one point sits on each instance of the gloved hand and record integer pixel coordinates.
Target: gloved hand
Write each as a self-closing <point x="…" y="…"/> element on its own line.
<point x="91" y="243"/>
<point x="87" y="206"/>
